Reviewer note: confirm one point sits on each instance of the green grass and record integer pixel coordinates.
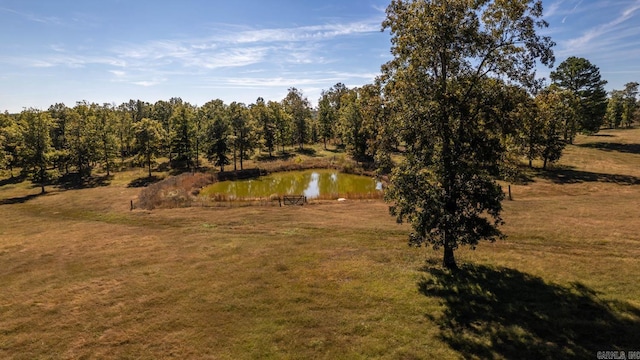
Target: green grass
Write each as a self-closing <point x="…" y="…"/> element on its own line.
<point x="82" y="276"/>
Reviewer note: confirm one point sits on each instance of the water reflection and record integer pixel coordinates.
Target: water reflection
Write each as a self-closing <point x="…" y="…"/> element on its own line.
<point x="310" y="183"/>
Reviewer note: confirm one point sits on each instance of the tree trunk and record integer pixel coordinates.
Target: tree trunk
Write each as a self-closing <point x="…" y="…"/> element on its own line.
<point x="149" y="163"/>
<point x="449" y="260"/>
<point x="41" y="175"/>
<point x="544" y="165"/>
<point x="235" y="167"/>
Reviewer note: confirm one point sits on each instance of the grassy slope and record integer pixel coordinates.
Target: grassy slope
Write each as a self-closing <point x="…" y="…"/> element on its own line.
<point x="84" y="277"/>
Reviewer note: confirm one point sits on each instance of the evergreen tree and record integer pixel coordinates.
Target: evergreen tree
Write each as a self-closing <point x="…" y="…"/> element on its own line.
<point x="266" y="125"/>
<point x="583" y="79"/>
<point x="216" y="144"/>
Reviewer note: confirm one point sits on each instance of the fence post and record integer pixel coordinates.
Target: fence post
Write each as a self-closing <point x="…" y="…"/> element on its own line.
<point x="131" y="205"/>
<point x="510" y="198"/>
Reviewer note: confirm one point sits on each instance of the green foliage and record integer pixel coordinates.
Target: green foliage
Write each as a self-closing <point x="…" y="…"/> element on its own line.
<point x="613" y="115"/>
<point x="629" y="104"/>
<point x="299" y="109"/>
<point x="281" y="121"/>
<point x="326" y="118"/>
<point x="105" y="135"/>
<point x="242" y="132"/>
<point x="183" y="134"/>
<point x="582" y="78"/>
<point x="555" y="108"/>
<point x="37" y="150"/>
<point x="217" y="131"/>
<point x="266" y="125"/>
<point x="11" y="143"/>
<point x="440" y="91"/>
<point x="149" y="136"/>
<point x="351" y="124"/>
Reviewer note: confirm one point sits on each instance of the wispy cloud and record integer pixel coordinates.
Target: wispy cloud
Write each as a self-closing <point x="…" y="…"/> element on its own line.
<point x="34" y="17"/>
<point x="292" y="79"/>
<point x="607" y="33"/>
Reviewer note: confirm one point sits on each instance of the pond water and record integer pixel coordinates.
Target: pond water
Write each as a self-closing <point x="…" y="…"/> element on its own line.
<point x="310" y="183"/>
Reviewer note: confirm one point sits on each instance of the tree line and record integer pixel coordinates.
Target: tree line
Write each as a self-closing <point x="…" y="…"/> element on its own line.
<point x="63" y="140"/>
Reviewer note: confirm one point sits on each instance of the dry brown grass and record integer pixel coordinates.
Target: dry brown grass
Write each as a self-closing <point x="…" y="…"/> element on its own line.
<point x="82" y="276"/>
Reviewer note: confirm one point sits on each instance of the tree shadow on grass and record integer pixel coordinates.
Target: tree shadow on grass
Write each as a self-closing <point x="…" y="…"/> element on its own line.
<point x="571" y="176"/>
<point x="77" y="181"/>
<point x="306" y="151"/>
<point x="20" y="199"/>
<point x="275" y="156"/>
<point x="144" y="181"/>
<point x="504" y="313"/>
<point x="13" y="180"/>
<point x="610" y="146"/>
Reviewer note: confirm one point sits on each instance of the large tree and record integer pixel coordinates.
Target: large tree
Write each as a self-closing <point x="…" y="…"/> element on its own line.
<point x="441" y="85"/>
<point x="583" y="78"/>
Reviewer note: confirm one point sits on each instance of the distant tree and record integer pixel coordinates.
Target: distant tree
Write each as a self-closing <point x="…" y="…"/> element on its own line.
<point x="106" y="144"/>
<point x="183" y="134"/>
<point x="299" y="109"/>
<point x="162" y="111"/>
<point x="281" y="121"/>
<point x="583" y="79"/>
<point x="440" y="88"/>
<point x="216" y="144"/>
<point x="327" y="118"/>
<point x="81" y="137"/>
<point x="60" y="114"/>
<point x="11" y="142"/>
<point x="554" y="108"/>
<point x="615" y="107"/>
<point x="242" y="131"/>
<point x="630" y="104"/>
<point x="334" y="95"/>
<point x="351" y="124"/>
<point x="37" y="149"/>
<point x="530" y="134"/>
<point x="373" y="115"/>
<point x="149" y="136"/>
<point x="266" y="125"/>
<point x="124" y="131"/>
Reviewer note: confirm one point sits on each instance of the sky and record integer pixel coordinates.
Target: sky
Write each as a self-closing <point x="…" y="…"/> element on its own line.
<point x="111" y="51"/>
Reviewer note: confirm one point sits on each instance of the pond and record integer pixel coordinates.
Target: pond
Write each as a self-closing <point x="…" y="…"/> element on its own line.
<point x="310" y="183"/>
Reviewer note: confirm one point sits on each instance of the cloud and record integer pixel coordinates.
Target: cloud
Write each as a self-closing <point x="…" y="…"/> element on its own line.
<point x="34" y="18"/>
<point x="605" y="34"/>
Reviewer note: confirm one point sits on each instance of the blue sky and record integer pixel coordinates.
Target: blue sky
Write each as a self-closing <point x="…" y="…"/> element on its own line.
<point x="199" y="50"/>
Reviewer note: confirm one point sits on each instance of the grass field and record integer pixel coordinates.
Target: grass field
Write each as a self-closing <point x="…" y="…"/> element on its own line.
<point x="82" y="276"/>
